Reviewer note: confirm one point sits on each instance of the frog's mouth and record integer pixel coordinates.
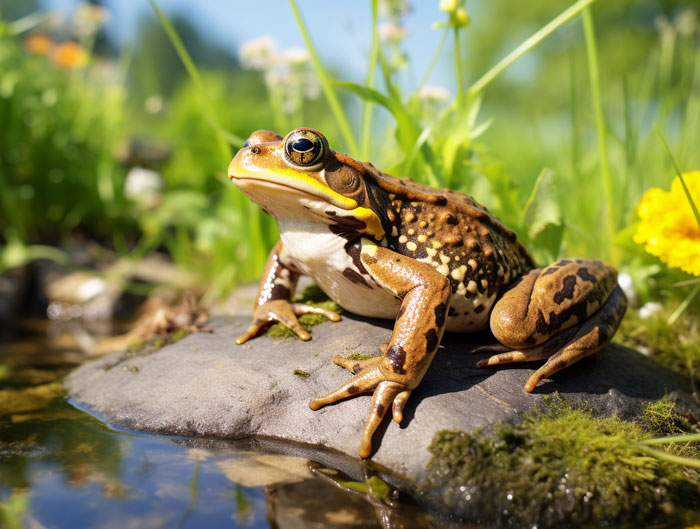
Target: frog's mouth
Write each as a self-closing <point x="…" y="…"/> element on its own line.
<point x="282" y="181"/>
<point x="282" y="191"/>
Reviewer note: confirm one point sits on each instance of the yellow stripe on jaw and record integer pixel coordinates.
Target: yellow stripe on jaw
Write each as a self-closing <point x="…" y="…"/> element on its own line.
<point x="302" y="182"/>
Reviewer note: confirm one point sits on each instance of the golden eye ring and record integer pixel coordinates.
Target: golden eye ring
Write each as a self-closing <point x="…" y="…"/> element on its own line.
<point x="305" y="148"/>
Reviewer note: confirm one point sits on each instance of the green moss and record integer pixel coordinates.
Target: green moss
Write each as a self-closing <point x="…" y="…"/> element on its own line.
<point x="660" y="419"/>
<point x="359" y="356"/>
<point x="313" y="296"/>
<point x="674" y="346"/>
<point x="561" y="467"/>
<point x="29" y="399"/>
<point x="301" y="374"/>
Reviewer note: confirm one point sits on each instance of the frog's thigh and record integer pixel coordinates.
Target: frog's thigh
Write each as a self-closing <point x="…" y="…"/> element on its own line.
<point x="590" y="338"/>
<point x="547" y="301"/>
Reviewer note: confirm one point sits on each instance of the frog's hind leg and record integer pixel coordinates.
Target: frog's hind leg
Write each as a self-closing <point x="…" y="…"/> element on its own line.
<point x="571" y="345"/>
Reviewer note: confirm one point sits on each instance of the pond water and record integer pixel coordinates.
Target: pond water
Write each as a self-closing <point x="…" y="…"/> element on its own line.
<point x="61" y="467"/>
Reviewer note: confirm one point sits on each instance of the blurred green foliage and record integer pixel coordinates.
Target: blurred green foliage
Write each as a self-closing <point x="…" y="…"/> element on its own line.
<point x="524" y="144"/>
<point x="57" y="171"/>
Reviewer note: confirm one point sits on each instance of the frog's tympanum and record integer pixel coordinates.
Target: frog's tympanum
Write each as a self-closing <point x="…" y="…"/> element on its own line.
<point x="433" y="260"/>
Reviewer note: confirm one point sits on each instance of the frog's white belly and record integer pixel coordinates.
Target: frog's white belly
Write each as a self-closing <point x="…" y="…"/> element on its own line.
<point x="322" y="255"/>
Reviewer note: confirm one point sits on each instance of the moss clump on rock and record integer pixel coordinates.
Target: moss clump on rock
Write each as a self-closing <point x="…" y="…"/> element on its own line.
<point x="561" y="467"/>
<point x="313" y="296"/>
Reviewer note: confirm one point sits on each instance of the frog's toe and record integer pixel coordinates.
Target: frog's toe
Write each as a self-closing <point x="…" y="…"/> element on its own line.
<point x="301" y="308"/>
<point x="253" y="330"/>
<point x="363" y="382"/>
<point x="514" y="356"/>
<point x="385" y="395"/>
<point x="355" y="366"/>
<point x="495" y="347"/>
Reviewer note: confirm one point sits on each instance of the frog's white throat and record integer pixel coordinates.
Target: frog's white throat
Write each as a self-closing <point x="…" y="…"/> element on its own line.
<point x="313" y="248"/>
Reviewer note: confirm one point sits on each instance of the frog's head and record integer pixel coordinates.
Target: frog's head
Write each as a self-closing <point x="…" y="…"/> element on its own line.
<point x="299" y="177"/>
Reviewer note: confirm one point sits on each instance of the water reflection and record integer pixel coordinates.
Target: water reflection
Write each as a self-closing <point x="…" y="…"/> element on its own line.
<point x="62" y="468"/>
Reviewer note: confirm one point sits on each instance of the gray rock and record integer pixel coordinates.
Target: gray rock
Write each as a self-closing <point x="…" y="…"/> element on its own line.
<point x="205" y="385"/>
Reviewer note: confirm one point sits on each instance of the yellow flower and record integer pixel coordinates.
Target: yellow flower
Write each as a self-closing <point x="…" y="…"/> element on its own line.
<point x="39" y="44"/>
<point x="668" y="228"/>
<point x="70" y="55"/>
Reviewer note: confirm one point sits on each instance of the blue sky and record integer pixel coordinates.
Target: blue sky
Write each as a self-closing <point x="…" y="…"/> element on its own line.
<point x="340" y="30"/>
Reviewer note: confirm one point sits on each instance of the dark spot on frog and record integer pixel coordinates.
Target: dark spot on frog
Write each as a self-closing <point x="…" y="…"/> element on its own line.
<point x="353" y="276"/>
<point x="440" y="311"/>
<point x="584" y="274"/>
<point x="558" y="365"/>
<point x="451" y="219"/>
<point x="479" y="308"/>
<point x="420" y="253"/>
<point x="431" y="340"/>
<point x="451" y="312"/>
<point x="441" y="200"/>
<point x="279" y="291"/>
<point x="550" y="270"/>
<point x="567" y="291"/>
<point x="397" y="357"/>
<point x="347" y="227"/>
<point x="379" y="410"/>
<point x="353" y="249"/>
<point x="356" y="368"/>
<point x="564" y="262"/>
<point x="353" y="389"/>
<point x="331" y="213"/>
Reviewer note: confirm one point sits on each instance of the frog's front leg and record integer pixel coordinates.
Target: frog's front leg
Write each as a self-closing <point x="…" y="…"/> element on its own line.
<point x="424" y="295"/>
<point x="562" y="313"/>
<point x="273" y="300"/>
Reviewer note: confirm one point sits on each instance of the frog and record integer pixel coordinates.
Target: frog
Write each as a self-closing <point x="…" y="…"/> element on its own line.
<point x="432" y="260"/>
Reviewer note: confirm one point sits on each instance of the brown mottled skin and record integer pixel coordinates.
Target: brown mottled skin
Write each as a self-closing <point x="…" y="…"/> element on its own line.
<point x="434" y="260"/>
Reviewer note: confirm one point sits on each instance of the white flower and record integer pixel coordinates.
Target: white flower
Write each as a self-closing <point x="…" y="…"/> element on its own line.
<point x="296" y="56"/>
<point x="649" y="309"/>
<point x="627" y="286"/>
<point x="433" y="94"/>
<point x="259" y="53"/>
<point x="392" y="32"/>
<point x="143" y="186"/>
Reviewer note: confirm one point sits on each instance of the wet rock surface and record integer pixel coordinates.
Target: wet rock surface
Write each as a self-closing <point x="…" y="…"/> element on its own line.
<point x="205" y="385"/>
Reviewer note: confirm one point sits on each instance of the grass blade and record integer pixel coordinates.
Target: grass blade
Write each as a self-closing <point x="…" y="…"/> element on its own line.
<point x="326" y="84"/>
<point x="684" y="305"/>
<point x="371" y="73"/>
<point x="693" y="437"/>
<point x="526" y="46"/>
<point x="671" y="458"/>
<point x="188" y="63"/>
<point x="594" y="76"/>
<point x="680" y="177"/>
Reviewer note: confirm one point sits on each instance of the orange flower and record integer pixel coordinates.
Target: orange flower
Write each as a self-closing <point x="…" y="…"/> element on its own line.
<point x="70" y="55"/>
<point x="39" y="44"/>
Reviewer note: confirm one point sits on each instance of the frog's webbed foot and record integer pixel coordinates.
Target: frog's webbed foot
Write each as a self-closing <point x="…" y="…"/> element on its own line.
<point x="368" y="378"/>
<point x="286" y="313"/>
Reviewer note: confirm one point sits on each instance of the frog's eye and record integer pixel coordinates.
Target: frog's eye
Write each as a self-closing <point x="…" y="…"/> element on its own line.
<point x="342" y="178"/>
<point x="305" y="148"/>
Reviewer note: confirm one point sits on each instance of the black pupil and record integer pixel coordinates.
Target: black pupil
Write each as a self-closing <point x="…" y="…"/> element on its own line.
<point x="303" y="145"/>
